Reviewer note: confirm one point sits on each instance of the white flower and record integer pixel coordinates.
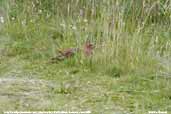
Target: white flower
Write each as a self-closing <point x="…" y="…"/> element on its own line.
<point x="13" y="18"/>
<point x="74" y="27"/>
<point x="40" y="11"/>
<point x="2" y="19"/>
<point x="23" y="22"/>
<point x="63" y="25"/>
<point x="33" y="4"/>
<point x="31" y="21"/>
<point x="85" y="20"/>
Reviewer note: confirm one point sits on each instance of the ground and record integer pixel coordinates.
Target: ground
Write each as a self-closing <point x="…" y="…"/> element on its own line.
<point x="128" y="71"/>
<point x="39" y="85"/>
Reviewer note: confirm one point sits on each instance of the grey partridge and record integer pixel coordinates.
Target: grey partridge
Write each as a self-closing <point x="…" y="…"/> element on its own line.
<point x="67" y="53"/>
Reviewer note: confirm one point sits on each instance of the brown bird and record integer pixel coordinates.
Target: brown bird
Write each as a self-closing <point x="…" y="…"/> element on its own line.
<point x="88" y="48"/>
<point x="70" y="52"/>
<point x="63" y="54"/>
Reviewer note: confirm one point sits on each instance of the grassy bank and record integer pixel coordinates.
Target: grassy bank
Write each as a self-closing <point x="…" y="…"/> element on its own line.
<point x="129" y="70"/>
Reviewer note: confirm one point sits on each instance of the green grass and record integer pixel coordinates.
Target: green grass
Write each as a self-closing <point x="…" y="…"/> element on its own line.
<point x="132" y="39"/>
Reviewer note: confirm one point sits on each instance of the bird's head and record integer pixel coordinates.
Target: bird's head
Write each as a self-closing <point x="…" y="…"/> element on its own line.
<point x="88" y="48"/>
<point x="88" y="45"/>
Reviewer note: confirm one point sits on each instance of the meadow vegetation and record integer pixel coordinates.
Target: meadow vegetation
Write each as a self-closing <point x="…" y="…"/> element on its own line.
<point x="129" y="71"/>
